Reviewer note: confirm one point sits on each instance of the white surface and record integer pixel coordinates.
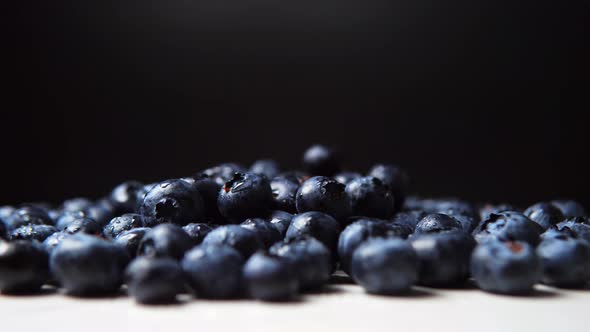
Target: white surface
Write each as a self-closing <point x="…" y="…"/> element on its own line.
<point x="344" y="307"/>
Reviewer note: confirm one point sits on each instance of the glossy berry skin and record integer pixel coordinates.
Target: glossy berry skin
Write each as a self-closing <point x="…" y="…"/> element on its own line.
<point x="214" y="271"/>
<point x="443" y="258"/>
<point x="468" y="219"/>
<point x="370" y="197"/>
<point x="505" y="267"/>
<point x="318" y="225"/>
<point x="165" y="240"/>
<point x="123" y="198"/>
<point x="268" y="277"/>
<point x="508" y="226"/>
<point x="172" y="201"/>
<point x="122" y="223"/>
<point x="385" y="266"/>
<point x="266" y="167"/>
<point x="33" y="232"/>
<point x="581" y="226"/>
<point x="28" y="215"/>
<point x="197" y="232"/>
<point x="570" y="209"/>
<point x="67" y="217"/>
<point x="209" y="189"/>
<point x="267" y="232"/>
<point x="281" y="221"/>
<point x="88" y="266"/>
<point x="346" y="177"/>
<point x="245" y="241"/>
<point x="76" y="204"/>
<point x="487" y="210"/>
<point x="321" y="160"/>
<point x="356" y="234"/>
<point x="311" y="260"/>
<point x="325" y="195"/>
<point x="24" y="267"/>
<point x="53" y="240"/>
<point x="565" y="261"/>
<point x="130" y="240"/>
<point x="409" y="218"/>
<point x="84" y="225"/>
<point x="438" y="223"/>
<point x="102" y="212"/>
<point x="224" y="172"/>
<point x="544" y="214"/>
<point x="245" y="196"/>
<point x="395" y="179"/>
<point x="154" y="280"/>
<point x="284" y="191"/>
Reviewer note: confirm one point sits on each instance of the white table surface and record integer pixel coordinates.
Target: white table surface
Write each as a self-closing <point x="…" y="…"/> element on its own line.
<point x="343" y="307"/>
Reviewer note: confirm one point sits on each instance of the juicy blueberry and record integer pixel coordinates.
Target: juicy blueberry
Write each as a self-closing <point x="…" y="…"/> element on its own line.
<point x="270" y="277"/>
<point x="84" y="225"/>
<point x="33" y="232"/>
<point x="122" y="223"/>
<point x="395" y="179"/>
<point x="266" y="231"/>
<point x="24" y="267"/>
<point x="245" y="196"/>
<point x="165" y="240"/>
<point x="28" y="215"/>
<point x="53" y="240"/>
<point x="544" y="214"/>
<point x="130" y="240"/>
<point x="565" y="261"/>
<point x="281" y="221"/>
<point x="124" y="197"/>
<point x="321" y="160"/>
<point x="214" y="271"/>
<point x="197" y="232"/>
<point x="323" y="194"/>
<point x="245" y="241"/>
<point x="209" y="190"/>
<point x="67" y="217"/>
<point x="172" y="201"/>
<point x="266" y="167"/>
<point x="224" y="172"/>
<point x="581" y="226"/>
<point x="284" y="191"/>
<point x="346" y="177"/>
<point x="505" y="267"/>
<point x="487" y="210"/>
<point x="385" y="266"/>
<point x="318" y="225"/>
<point x="570" y="209"/>
<point x="508" y="226"/>
<point x="370" y="197"/>
<point x="437" y="223"/>
<point x="154" y="280"/>
<point x="409" y="218"/>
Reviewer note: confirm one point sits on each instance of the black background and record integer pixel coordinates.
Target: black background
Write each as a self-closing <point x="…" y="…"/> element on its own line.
<point x="479" y="99"/>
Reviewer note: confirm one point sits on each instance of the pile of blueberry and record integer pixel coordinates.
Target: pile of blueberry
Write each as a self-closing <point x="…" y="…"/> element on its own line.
<point x="231" y="232"/>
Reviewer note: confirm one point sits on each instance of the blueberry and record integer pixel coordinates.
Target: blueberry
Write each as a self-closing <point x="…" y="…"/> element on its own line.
<point x="281" y="221"/>
<point x="209" y="190"/>
<point x="311" y="260"/>
<point x="87" y="266"/>
<point x="24" y="267"/>
<point x="409" y="218"/>
<point x="84" y="225"/>
<point x="580" y="225"/>
<point x="53" y="240"/>
<point x="197" y="232"/>
<point x="172" y="201"/>
<point x="370" y="197"/>
<point x="214" y="271"/>
<point x="565" y="261"/>
<point x="395" y="179"/>
<point x="266" y="167"/>
<point x="33" y="232"/>
<point x="140" y="194"/>
<point x="122" y="223"/>
<point x="355" y="234"/>
<point x="555" y="232"/>
<point x="443" y="257"/>
<point x="130" y="240"/>
<point x="165" y="240"/>
<point x="102" y="212"/>
<point x="468" y="220"/>
<point x="245" y="241"/>
<point x="437" y="223"/>
<point x="68" y="217"/>
<point x="76" y="204"/>
<point x="154" y="280"/>
<point x="346" y="177"/>
<point x="270" y="277"/>
<point x="224" y="172"/>
<point x="284" y="191"/>
<point x="487" y="210"/>
<point x="266" y="231"/>
<point x="323" y="194"/>
<point x="544" y="214"/>
<point x="28" y="215"/>
<point x="385" y="266"/>
<point x="318" y="225"/>
<point x="508" y="226"/>
<point x="321" y="160"/>
<point x="570" y="209"/>
<point x="245" y="196"/>
<point x="505" y="267"/>
<point x="124" y="197"/>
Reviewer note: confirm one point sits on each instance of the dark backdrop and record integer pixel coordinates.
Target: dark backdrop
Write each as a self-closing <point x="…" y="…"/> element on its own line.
<point x="479" y="99"/>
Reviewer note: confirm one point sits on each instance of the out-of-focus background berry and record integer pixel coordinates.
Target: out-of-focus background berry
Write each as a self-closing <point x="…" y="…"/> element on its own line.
<point x="479" y="99"/>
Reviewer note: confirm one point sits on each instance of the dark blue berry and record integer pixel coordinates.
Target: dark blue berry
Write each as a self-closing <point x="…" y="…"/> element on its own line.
<point x="53" y="240"/>
<point x="102" y="212"/>
<point x="565" y="261"/>
<point x="325" y="195"/>
<point x="154" y="280"/>
<point x="346" y="177"/>
<point x="266" y="167"/>
<point x="437" y="223"/>
<point x="24" y="267"/>
<point x="488" y="209"/>
<point x="197" y="232"/>
<point x="165" y="240"/>
<point x="124" y="197"/>
<point x="68" y="217"/>
<point x="245" y="241"/>
<point x="580" y="225"/>
<point x="209" y="190"/>
<point x="33" y="232"/>
<point x="245" y="196"/>
<point x="224" y="172"/>
<point x="468" y="219"/>
<point x="266" y="231"/>
<point x="84" y="225"/>
<point x="281" y="221"/>
<point x="214" y="271"/>
<point x="505" y="267"/>
<point x="395" y="179"/>
<point x="284" y="191"/>
<point x="409" y="218"/>
<point x="76" y="204"/>
<point x="508" y="226"/>
<point x="270" y="277"/>
<point x="130" y="240"/>
<point x="370" y="197"/>
<point x="172" y="201"/>
<point x="570" y="209"/>
<point x="321" y="160"/>
<point x="122" y="223"/>
<point x="385" y="266"/>
<point x="28" y="215"/>
<point x="318" y="225"/>
<point x="544" y="214"/>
